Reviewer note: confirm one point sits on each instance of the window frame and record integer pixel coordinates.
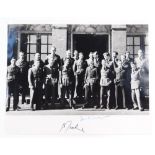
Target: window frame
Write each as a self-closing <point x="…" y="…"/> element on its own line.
<point x="142" y="43"/>
<point x="38" y="43"/>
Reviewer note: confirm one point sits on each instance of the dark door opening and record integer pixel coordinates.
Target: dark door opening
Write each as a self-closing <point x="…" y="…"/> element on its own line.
<point x="87" y="43"/>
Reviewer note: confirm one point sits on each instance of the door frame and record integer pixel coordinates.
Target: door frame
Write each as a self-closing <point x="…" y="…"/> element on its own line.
<point x="102" y="33"/>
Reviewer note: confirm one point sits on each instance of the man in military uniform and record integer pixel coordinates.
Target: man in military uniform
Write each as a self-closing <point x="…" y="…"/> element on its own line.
<point x="79" y="72"/>
<point x="140" y="60"/>
<point x="108" y="62"/>
<point x="135" y="87"/>
<point x="120" y="84"/>
<point x="110" y="65"/>
<point x="97" y="64"/>
<point x="51" y="81"/>
<point x="36" y="79"/>
<point x="126" y="64"/>
<point x="12" y="84"/>
<point x="91" y="58"/>
<point x="105" y="83"/>
<point x="23" y="76"/>
<point x="127" y="57"/>
<point x="76" y="55"/>
<point x="66" y="83"/>
<point x="142" y="64"/>
<point x="56" y="57"/>
<point x="37" y="57"/>
<point x="56" y="64"/>
<point x="68" y="57"/>
<point x="70" y="66"/>
<point x="91" y="77"/>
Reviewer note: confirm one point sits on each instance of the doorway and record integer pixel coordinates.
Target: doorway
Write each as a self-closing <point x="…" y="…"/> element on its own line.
<point x="87" y="43"/>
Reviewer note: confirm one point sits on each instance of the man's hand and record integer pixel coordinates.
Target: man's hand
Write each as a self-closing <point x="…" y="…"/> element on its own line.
<point x="60" y="85"/>
<point x="31" y="87"/>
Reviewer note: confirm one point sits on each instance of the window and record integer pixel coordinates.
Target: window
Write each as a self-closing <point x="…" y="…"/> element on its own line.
<point x="136" y="42"/>
<point x="36" y="42"/>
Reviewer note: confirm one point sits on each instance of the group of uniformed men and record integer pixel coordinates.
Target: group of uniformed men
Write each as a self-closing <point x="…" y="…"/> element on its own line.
<point x="107" y="83"/>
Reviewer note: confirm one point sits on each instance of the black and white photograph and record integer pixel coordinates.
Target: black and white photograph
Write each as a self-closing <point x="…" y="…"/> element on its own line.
<point x="77" y="69"/>
<point x="77" y="77"/>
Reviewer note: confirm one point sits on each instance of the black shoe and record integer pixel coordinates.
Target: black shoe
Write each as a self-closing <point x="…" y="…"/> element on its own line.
<point x="116" y="108"/>
<point x="33" y="109"/>
<point x="85" y="106"/>
<point x="108" y="107"/>
<point x="72" y="107"/>
<point x="7" y="109"/>
<point x="95" y="107"/>
<point x="142" y="109"/>
<point x="136" y="108"/>
<point x="101" y="107"/>
<point x="18" y="107"/>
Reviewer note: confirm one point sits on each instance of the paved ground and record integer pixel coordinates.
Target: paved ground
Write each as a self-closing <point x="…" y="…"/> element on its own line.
<point x="25" y="110"/>
<point x="78" y="112"/>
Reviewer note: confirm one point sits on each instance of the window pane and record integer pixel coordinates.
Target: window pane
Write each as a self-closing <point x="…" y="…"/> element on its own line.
<point x="33" y="38"/>
<point x="33" y="48"/>
<point x="43" y="48"/>
<point x="49" y="47"/>
<point x="44" y="57"/>
<point x="131" y="56"/>
<point x="136" y="48"/>
<point x="44" y="39"/>
<point x="27" y="48"/>
<point x="129" y="40"/>
<point x="27" y="57"/>
<point x="50" y="39"/>
<point x="136" y="40"/>
<point x="146" y="40"/>
<point x="130" y="49"/>
<point x="136" y="55"/>
<point x="31" y="57"/>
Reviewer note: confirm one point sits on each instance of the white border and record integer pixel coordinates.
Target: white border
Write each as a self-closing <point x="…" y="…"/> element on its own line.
<point x="103" y="12"/>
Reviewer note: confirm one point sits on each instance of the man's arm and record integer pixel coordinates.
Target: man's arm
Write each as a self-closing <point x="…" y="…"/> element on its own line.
<point x="30" y="78"/>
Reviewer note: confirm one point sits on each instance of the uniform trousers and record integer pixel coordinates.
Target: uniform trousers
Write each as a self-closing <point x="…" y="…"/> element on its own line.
<point x="120" y="91"/>
<point x="51" y="91"/>
<point x="36" y="95"/>
<point x="79" y="86"/>
<point x="105" y="90"/>
<point x="67" y="90"/>
<point x="23" y="86"/>
<point x="90" y="92"/>
<point x="12" y="89"/>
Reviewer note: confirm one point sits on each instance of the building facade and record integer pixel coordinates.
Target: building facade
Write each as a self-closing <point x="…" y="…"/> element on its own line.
<point x="84" y="38"/>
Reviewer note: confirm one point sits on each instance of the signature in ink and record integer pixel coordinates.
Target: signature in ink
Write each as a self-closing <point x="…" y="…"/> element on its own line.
<point x="70" y="126"/>
<point x="86" y="118"/>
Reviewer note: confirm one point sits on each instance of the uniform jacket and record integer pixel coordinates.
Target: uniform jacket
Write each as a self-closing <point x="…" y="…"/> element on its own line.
<point x="91" y="76"/>
<point x="35" y="77"/>
<point x="120" y="76"/>
<point x="79" y="67"/>
<point x="135" y="79"/>
<point x="13" y="73"/>
<point x="56" y="61"/>
<point x="66" y="77"/>
<point x="23" y="68"/>
<point x="51" y="74"/>
<point x="140" y="62"/>
<point x="105" y="77"/>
